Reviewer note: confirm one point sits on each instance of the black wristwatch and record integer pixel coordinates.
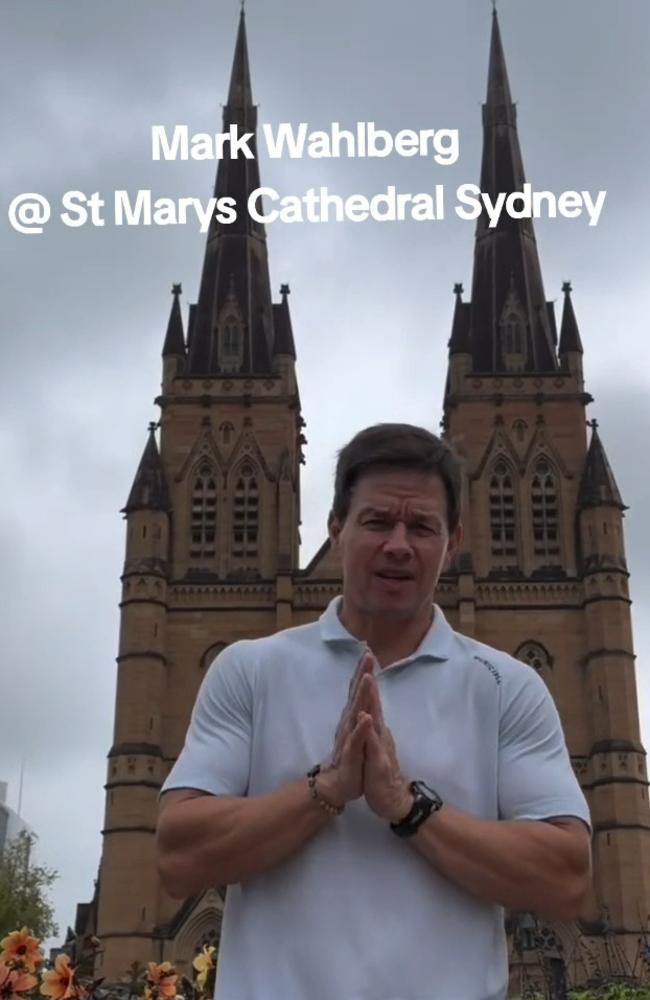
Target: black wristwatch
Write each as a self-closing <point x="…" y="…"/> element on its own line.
<point x="425" y="802"/>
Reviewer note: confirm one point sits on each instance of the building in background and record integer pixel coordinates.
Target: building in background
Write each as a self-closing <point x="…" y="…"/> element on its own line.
<point x="212" y="548"/>
<point x="11" y="823"/>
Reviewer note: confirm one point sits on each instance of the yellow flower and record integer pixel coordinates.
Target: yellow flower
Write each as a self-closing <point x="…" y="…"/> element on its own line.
<point x="58" y="983"/>
<point x="203" y="963"/>
<point x="13" y="982"/>
<point x="21" y="947"/>
<point x="163" y="977"/>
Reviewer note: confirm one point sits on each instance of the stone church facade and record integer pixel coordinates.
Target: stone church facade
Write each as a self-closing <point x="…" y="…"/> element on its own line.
<point x="212" y="539"/>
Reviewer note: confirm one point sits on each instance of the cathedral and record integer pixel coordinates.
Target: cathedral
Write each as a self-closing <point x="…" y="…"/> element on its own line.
<point x="212" y="546"/>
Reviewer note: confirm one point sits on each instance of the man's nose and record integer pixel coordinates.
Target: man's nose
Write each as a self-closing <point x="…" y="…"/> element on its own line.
<point x="397" y="543"/>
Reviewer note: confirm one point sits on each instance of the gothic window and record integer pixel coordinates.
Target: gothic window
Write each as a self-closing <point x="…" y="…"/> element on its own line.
<point x="502" y="515"/>
<point x="203" y="523"/>
<point x="519" y="428"/>
<point x="226" y="431"/>
<point x="211" y="654"/>
<point x="513" y="340"/>
<point x="546" y="540"/>
<point x="513" y="334"/>
<point x="536" y="657"/>
<point x="245" y="524"/>
<point x="231" y="344"/>
<point x="209" y="939"/>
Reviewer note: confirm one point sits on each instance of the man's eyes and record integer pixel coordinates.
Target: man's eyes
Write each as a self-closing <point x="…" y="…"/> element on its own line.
<point x="383" y="524"/>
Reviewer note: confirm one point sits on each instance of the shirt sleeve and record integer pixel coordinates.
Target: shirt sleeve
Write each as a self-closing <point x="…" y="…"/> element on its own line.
<point x="536" y="779"/>
<point x="217" y="751"/>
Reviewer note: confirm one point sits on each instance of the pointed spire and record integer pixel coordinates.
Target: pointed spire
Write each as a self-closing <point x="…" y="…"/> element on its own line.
<point x="240" y="94"/>
<point x="498" y="100"/>
<point x="598" y="487"/>
<point x="235" y="266"/>
<point x="507" y="287"/>
<point x="174" y="345"/>
<point x="149" y="490"/>
<point x="284" y="342"/>
<point x="570" y="341"/>
<point x="459" y="342"/>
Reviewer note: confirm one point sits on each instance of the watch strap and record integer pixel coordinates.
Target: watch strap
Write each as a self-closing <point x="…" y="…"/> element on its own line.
<point x="425" y="802"/>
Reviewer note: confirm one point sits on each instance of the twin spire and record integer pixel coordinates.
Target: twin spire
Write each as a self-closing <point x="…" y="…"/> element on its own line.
<point x="235" y="290"/>
<point x="507" y="282"/>
<point x="508" y="324"/>
<point x="509" y="313"/>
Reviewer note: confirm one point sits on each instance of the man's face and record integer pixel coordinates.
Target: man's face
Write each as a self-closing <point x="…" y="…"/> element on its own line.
<point x="394" y="543"/>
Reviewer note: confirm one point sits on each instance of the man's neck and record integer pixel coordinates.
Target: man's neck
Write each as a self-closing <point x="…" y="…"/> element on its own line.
<point x="389" y="641"/>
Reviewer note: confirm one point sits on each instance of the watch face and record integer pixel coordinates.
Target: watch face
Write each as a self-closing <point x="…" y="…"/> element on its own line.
<point x="424" y="789"/>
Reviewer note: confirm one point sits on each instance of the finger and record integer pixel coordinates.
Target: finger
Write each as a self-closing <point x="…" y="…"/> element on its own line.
<point x="374" y="705"/>
<point x="368" y="700"/>
<point x="356" y="740"/>
<point x="346" y="725"/>
<point x="357" y="700"/>
<point x="366" y="665"/>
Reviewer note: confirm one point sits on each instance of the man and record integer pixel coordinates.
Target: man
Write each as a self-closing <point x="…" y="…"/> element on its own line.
<point x="444" y="793"/>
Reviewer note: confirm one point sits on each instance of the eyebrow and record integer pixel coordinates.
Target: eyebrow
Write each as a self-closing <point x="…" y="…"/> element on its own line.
<point x="419" y="513"/>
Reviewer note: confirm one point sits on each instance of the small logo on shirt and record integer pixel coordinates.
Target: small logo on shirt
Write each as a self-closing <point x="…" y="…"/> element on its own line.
<point x="493" y="670"/>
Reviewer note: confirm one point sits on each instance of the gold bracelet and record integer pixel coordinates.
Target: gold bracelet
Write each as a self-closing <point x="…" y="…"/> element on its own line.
<point x="329" y="808"/>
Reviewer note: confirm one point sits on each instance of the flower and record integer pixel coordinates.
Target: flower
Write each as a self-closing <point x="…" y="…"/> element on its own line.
<point x="21" y="947"/>
<point x="163" y="977"/>
<point x="203" y="963"/>
<point x="59" y="983"/>
<point x="13" y="982"/>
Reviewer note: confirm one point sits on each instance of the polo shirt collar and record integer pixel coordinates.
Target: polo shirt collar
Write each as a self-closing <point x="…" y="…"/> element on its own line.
<point x="435" y="645"/>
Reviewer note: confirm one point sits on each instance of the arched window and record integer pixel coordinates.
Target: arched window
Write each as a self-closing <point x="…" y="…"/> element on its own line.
<point x="502" y="515"/>
<point x="226" y="432"/>
<point x="544" y="504"/>
<point x="203" y="524"/>
<point x="512" y="326"/>
<point x="245" y="523"/>
<point x="210" y="655"/>
<point x="536" y="657"/>
<point x="231" y="344"/>
<point x="519" y="428"/>
<point x="513" y="334"/>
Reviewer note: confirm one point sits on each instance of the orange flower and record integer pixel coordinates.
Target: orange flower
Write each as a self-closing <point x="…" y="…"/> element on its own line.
<point x="163" y="977"/>
<point x="59" y="983"/>
<point x="21" y="947"/>
<point x="13" y="982"/>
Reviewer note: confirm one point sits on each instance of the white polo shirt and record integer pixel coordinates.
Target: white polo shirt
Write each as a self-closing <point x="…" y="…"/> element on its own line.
<point x="359" y="914"/>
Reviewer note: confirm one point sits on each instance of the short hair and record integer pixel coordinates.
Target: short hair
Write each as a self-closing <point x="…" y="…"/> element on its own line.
<point x="399" y="446"/>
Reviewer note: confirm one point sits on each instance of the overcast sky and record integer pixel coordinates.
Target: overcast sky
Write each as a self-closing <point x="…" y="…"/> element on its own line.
<point x="84" y="310"/>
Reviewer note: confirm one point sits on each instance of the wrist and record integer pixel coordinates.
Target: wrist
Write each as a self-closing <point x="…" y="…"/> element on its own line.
<point x="402" y="806"/>
<point x="324" y="792"/>
<point x="327" y="786"/>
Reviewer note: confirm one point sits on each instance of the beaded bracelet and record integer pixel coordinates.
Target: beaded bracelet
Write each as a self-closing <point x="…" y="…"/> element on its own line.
<point x="330" y="809"/>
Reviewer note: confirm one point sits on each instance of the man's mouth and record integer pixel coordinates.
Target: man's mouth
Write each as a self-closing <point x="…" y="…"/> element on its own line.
<point x="394" y="574"/>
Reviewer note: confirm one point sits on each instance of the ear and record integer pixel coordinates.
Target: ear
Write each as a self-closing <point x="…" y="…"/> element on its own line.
<point x="453" y="545"/>
<point x="333" y="528"/>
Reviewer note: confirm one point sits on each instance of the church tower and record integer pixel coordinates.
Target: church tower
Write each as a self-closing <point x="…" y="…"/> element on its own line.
<point x="212" y="537"/>
<point x="543" y="572"/>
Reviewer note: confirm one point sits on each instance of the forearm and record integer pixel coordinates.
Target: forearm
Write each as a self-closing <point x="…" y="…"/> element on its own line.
<point x="520" y="864"/>
<point x="212" y="840"/>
